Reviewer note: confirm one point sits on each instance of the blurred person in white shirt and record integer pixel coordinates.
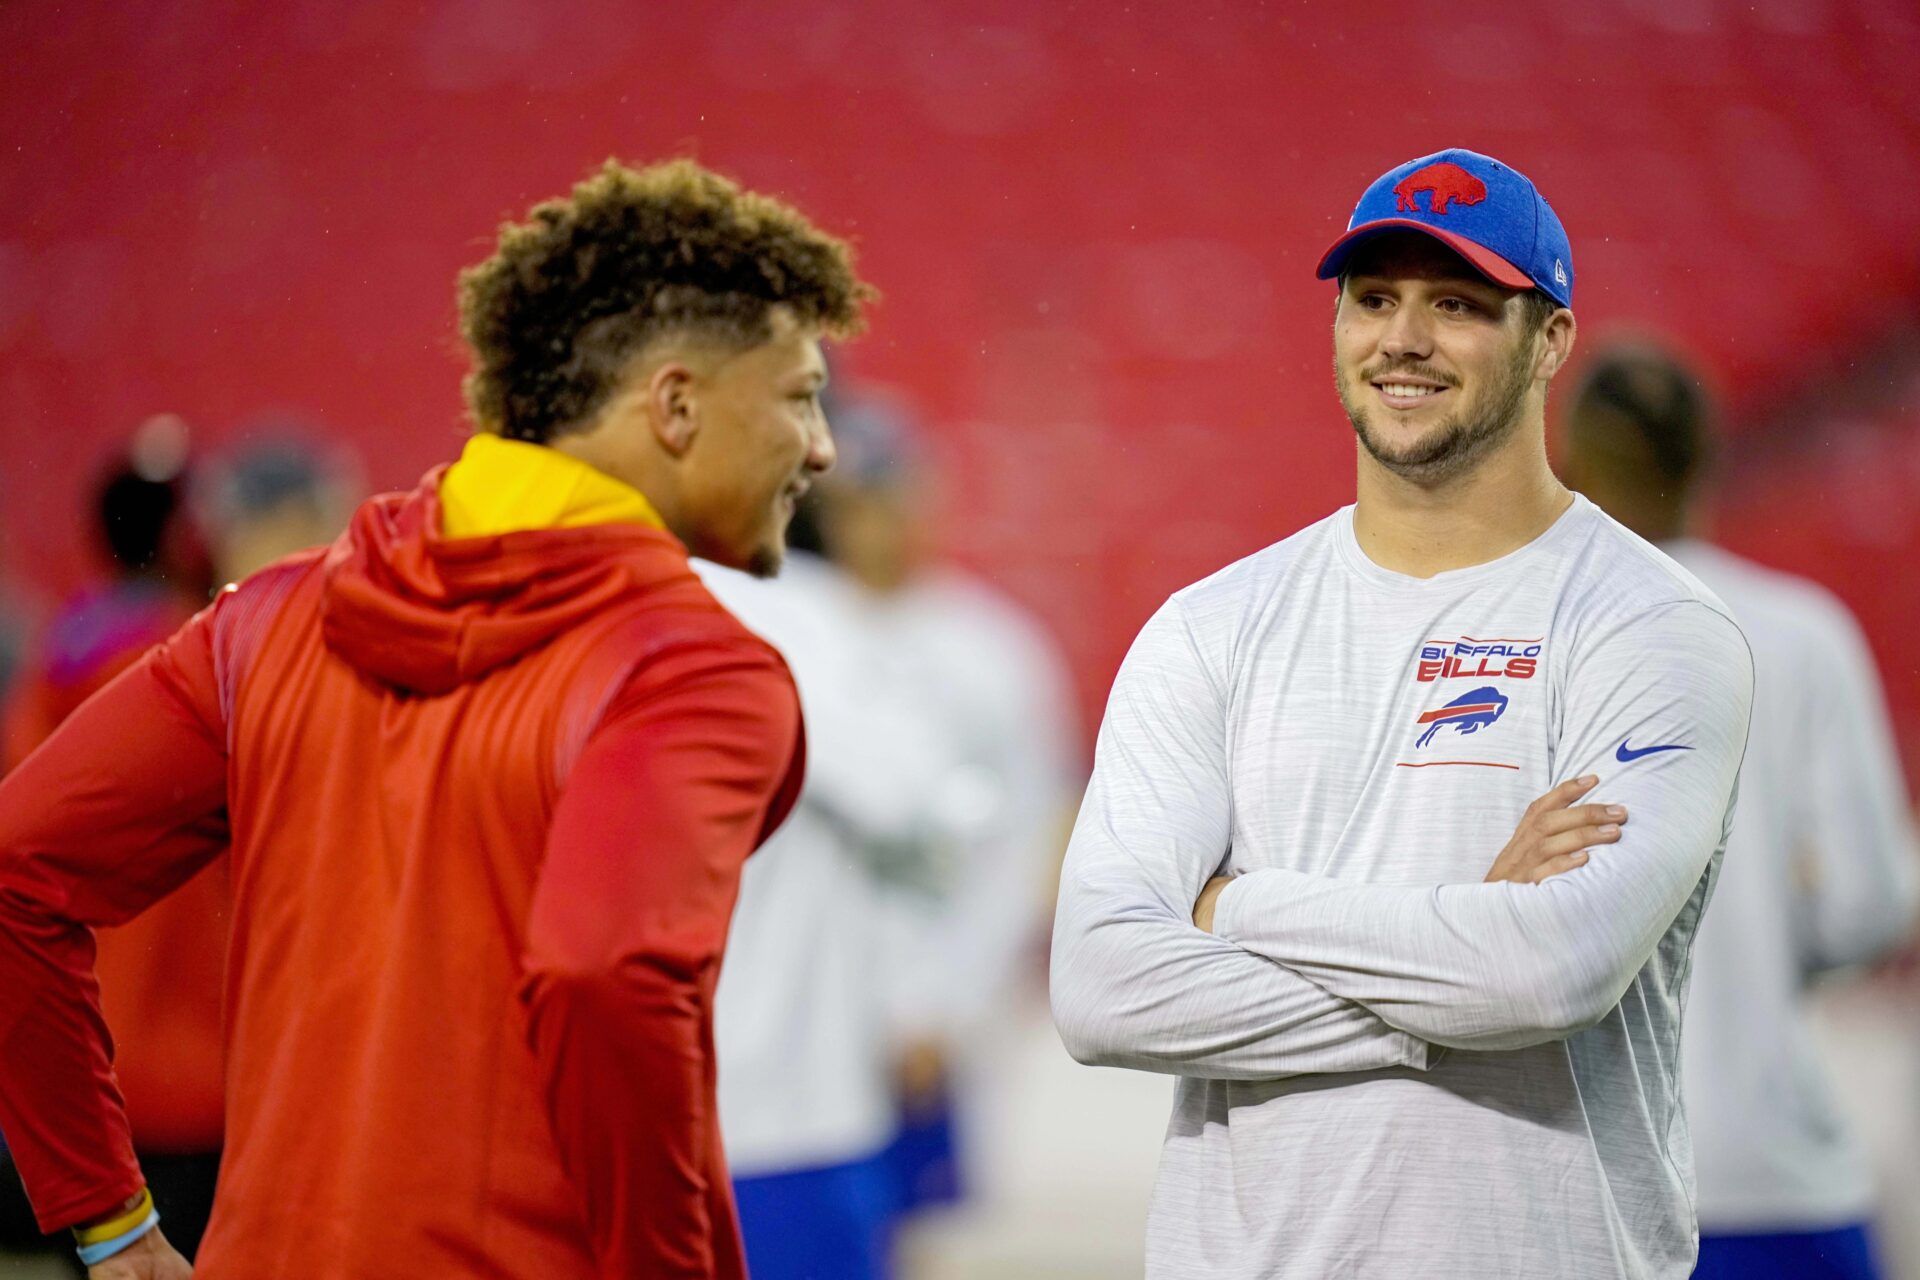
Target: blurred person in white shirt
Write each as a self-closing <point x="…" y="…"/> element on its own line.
<point x="966" y="905"/>
<point x="802" y="1029"/>
<point x="1819" y="874"/>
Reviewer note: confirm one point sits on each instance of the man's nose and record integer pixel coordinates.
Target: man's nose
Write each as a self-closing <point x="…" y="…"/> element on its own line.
<point x="821" y="455"/>
<point x="1408" y="335"/>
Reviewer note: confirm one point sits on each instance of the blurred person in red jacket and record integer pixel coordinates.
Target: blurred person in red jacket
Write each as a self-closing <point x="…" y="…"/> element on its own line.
<point x="488" y="766"/>
<point x="163" y="970"/>
<point x="1820" y="873"/>
<point x="160" y="973"/>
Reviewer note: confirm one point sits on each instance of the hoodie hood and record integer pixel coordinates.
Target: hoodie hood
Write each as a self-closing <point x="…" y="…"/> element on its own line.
<point x="427" y="613"/>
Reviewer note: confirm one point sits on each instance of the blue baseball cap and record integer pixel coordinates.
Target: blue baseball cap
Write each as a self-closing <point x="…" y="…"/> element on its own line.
<point x="1491" y="215"/>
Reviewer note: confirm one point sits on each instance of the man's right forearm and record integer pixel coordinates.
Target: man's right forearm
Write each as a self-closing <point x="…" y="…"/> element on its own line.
<point x="1134" y="987"/>
<point x="1135" y="982"/>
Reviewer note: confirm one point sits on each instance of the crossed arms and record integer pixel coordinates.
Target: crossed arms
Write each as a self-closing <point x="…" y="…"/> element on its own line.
<point x="1313" y="974"/>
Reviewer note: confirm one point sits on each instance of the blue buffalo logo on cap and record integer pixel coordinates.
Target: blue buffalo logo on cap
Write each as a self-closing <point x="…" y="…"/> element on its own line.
<point x="1486" y="212"/>
<point x="1469" y="713"/>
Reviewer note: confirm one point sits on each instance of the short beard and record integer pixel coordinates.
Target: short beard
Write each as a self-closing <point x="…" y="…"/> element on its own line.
<point x="1457" y="444"/>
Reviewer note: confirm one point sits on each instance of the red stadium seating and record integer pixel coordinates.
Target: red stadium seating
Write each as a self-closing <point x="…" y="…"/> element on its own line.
<point x="1095" y="225"/>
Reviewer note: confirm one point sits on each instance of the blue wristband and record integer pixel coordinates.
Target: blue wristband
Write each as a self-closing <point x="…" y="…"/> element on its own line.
<point x="100" y="1252"/>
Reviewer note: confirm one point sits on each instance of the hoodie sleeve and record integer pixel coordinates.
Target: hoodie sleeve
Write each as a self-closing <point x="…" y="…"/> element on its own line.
<point x="119" y="807"/>
<point x="692" y="767"/>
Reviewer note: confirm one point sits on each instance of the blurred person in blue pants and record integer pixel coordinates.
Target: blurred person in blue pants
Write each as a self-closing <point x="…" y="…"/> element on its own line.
<point x="801" y="1026"/>
<point x="891" y="915"/>
<point x="965" y="906"/>
<point x="1820" y="871"/>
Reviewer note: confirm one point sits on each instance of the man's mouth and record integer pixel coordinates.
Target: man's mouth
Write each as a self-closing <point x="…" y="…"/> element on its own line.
<point x="1403" y="392"/>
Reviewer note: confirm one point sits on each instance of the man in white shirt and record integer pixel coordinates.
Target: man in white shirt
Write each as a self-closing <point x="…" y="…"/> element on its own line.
<point x="964" y="905"/>
<point x="1820" y="867"/>
<point x="802" y="1026"/>
<point x="1389" y="1068"/>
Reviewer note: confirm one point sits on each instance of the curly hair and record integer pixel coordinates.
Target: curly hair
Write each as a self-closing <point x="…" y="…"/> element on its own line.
<point x="570" y="296"/>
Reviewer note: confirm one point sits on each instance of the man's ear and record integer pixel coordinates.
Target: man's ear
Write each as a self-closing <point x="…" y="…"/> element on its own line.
<point x="673" y="411"/>
<point x="1557" y="347"/>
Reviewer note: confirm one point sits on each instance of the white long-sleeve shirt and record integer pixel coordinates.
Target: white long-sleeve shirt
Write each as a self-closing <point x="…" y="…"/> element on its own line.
<point x="996" y="693"/>
<point x="1356" y="746"/>
<point x="802" y="1025"/>
<point x="1820" y="873"/>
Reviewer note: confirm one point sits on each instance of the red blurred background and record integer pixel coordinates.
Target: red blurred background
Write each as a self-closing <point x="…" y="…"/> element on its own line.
<point x="1094" y="224"/>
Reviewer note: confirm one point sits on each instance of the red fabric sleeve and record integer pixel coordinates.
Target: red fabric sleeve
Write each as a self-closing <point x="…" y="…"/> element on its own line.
<point x="120" y="806"/>
<point x="687" y="773"/>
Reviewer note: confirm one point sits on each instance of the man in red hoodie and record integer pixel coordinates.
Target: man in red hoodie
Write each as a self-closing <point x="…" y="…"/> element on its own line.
<point x="488" y="768"/>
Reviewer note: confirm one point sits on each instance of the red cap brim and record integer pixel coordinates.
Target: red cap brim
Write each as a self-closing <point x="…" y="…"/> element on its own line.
<point x="1485" y="261"/>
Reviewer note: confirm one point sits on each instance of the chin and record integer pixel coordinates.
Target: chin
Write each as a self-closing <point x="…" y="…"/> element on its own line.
<point x="1412" y="447"/>
<point x="764" y="561"/>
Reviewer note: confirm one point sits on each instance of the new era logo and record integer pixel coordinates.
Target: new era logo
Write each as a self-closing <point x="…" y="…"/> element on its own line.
<point x="1560" y="273"/>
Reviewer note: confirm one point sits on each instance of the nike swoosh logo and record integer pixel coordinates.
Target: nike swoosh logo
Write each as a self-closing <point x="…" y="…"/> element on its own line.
<point x="1626" y="754"/>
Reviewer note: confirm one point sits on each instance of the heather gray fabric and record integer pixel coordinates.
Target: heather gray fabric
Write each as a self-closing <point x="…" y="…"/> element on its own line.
<point x="1273" y="720"/>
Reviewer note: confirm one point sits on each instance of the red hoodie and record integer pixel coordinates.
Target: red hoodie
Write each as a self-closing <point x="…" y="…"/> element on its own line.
<point x="487" y="800"/>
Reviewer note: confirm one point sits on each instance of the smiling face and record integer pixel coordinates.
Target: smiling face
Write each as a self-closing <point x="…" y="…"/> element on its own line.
<point x="760" y="441"/>
<point x="1433" y="362"/>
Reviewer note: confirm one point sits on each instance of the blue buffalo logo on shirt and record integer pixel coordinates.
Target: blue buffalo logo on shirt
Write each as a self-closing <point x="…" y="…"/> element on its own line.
<point x="1469" y="713"/>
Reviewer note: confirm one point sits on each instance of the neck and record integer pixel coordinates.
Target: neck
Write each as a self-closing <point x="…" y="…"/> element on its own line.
<point x="604" y="452"/>
<point x="1420" y="529"/>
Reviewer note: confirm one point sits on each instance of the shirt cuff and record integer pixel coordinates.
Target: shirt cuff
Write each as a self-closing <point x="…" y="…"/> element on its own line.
<point x="1227" y="907"/>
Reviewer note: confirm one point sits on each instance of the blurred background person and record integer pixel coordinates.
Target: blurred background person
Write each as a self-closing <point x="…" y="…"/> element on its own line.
<point x="156" y="574"/>
<point x="161" y="972"/>
<point x="963" y="907"/>
<point x="1820" y="872"/>
<point x="897" y="911"/>
<point x="801" y="1024"/>
<point x="171" y="530"/>
<point x="276" y="491"/>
